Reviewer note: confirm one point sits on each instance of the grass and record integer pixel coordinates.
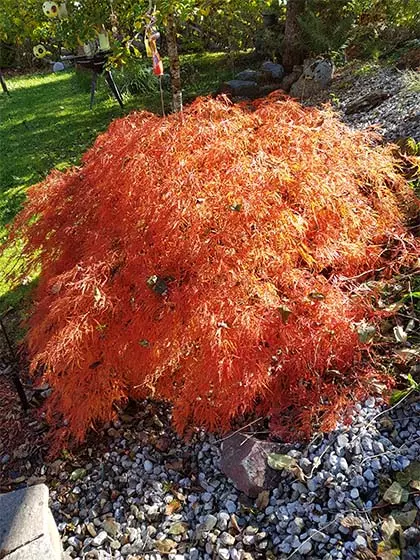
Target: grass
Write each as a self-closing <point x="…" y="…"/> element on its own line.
<point x="46" y="123"/>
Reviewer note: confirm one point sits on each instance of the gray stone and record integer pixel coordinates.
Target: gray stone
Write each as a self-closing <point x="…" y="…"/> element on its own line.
<point x="248" y="540"/>
<point x="343" y="465"/>
<point x="360" y="541"/>
<point x="367" y="444"/>
<point x="331" y="504"/>
<point x="262" y="545"/>
<point x="194" y="554"/>
<point x="58" y="67"/>
<point x="285" y="547"/>
<point x="296" y="526"/>
<point x="357" y="481"/>
<point x="318" y="536"/>
<point x="227" y="539"/>
<point x="267" y="89"/>
<point x="248" y="76"/>
<point x="323" y="73"/>
<point x="244" y="461"/>
<point x="368" y="475"/>
<point x="223" y="519"/>
<point x="207" y="525"/>
<point x="342" y="440"/>
<point x="127" y="549"/>
<point x="375" y="464"/>
<point x="305" y="548"/>
<point x="74" y="542"/>
<point x="312" y="484"/>
<point x="148" y="466"/>
<point x="240" y="88"/>
<point x="317" y="76"/>
<point x="27" y="527"/>
<point x="275" y="71"/>
<point x="235" y="554"/>
<point x="230" y="506"/>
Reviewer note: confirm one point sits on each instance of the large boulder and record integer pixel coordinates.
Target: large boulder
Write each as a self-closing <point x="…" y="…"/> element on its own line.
<point x="240" y="88"/>
<point x="317" y="76"/>
<point x="244" y="461"/>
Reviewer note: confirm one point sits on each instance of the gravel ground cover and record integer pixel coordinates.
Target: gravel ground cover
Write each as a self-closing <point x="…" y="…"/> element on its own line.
<point x="397" y="116"/>
<point x="153" y="496"/>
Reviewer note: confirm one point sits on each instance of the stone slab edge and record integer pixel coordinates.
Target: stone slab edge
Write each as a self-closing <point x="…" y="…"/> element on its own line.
<point x="27" y="527"/>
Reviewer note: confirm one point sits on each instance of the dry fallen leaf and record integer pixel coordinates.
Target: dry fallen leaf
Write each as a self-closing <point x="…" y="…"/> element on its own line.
<point x="351" y="521"/>
<point x="278" y="462"/>
<point x="262" y="500"/>
<point x="165" y="546"/>
<point x="405" y="518"/>
<point x="234" y="523"/>
<point x="388" y="528"/>
<point x="178" y="528"/>
<point x="173" y="507"/>
<point x="395" y="494"/>
<point x="175" y="465"/>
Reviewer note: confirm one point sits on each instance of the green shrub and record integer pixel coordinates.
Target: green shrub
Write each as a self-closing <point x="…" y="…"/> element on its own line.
<point x="136" y="77"/>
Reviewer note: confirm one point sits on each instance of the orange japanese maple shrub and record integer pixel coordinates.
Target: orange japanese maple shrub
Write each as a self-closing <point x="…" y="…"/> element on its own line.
<point x="212" y="260"/>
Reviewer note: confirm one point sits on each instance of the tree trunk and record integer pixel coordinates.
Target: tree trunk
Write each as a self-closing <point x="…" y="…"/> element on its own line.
<point x="293" y="48"/>
<point x="174" y="66"/>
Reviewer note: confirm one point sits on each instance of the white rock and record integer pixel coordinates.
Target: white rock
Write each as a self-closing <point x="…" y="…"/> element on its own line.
<point x="100" y="538"/>
<point x="224" y="553"/>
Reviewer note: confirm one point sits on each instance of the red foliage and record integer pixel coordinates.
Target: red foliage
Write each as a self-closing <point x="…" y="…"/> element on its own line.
<point x="250" y="218"/>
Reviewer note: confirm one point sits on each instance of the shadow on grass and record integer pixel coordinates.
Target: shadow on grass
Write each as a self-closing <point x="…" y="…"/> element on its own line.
<point x="14" y="308"/>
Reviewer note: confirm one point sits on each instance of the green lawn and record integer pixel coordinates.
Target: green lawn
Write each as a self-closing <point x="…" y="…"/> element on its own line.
<point x="46" y="123"/>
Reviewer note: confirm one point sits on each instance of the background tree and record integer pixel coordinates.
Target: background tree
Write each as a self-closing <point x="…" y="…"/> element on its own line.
<point x="175" y="67"/>
<point x="293" y="47"/>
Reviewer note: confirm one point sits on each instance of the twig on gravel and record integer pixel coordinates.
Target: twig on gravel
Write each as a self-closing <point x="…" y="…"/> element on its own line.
<point x="336" y="520"/>
<point x="381" y="414"/>
<point x="404" y="445"/>
<point x="239" y="430"/>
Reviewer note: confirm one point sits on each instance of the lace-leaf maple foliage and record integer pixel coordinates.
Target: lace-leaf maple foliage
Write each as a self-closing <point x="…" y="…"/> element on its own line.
<point x="204" y="259"/>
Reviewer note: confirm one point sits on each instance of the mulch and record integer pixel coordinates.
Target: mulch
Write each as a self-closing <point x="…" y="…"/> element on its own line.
<point x="22" y="436"/>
